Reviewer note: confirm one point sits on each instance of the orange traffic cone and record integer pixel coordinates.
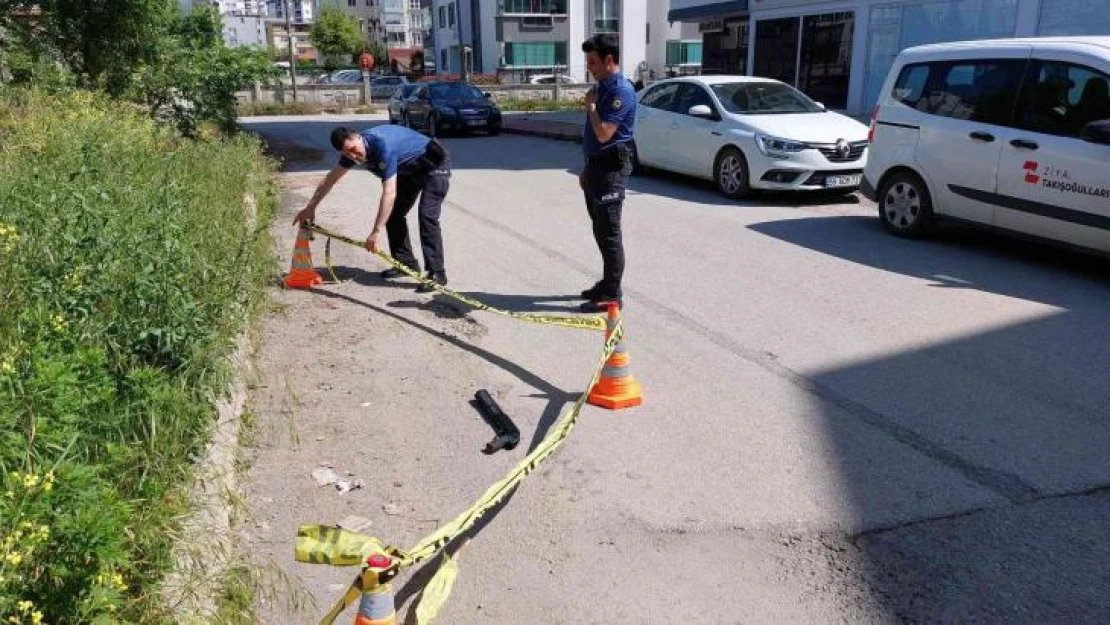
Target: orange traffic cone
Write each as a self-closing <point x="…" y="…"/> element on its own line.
<point x="616" y="388"/>
<point x="302" y="275"/>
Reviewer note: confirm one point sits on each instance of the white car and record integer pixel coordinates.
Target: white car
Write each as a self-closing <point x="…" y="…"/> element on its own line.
<point x="549" y="79"/>
<point x="1013" y="135"/>
<point x="747" y="133"/>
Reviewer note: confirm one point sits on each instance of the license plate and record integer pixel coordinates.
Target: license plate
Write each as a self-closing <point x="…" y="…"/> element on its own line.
<point x="842" y="181"/>
<point x="475" y="122"/>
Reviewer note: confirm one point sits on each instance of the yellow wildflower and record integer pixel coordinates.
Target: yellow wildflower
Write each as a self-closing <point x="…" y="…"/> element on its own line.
<point x="14" y="558"/>
<point x="25" y="606"/>
<point x="30" y="480"/>
<point x="36" y="617"/>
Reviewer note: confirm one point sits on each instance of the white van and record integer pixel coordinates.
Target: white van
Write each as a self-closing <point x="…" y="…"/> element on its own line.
<point x="1012" y="134"/>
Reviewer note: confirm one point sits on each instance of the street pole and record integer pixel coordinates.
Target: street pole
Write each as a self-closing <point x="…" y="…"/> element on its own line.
<point x="289" y="36"/>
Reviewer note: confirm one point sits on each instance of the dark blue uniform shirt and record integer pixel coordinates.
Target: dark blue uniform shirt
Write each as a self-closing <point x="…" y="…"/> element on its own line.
<point x="616" y="104"/>
<point x="388" y="147"/>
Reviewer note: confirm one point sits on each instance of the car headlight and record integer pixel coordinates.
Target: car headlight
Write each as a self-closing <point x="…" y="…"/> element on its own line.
<point x="774" y="146"/>
<point x="446" y="110"/>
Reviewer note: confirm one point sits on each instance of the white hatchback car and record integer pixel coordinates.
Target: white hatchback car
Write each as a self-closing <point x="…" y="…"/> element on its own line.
<point x="747" y="133"/>
<point x="1011" y="134"/>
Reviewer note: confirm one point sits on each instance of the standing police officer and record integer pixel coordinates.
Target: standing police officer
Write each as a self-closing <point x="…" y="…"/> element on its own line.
<point x="409" y="165"/>
<point x="607" y="144"/>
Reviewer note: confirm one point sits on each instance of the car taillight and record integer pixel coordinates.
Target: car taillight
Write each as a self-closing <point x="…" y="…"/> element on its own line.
<point x="871" y="128"/>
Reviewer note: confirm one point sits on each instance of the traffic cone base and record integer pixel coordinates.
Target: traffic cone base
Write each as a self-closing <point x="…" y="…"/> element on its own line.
<point x="616" y="388"/>
<point x="301" y="274"/>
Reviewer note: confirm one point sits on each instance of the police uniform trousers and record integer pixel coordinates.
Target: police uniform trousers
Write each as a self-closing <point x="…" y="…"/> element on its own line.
<point x="605" y="181"/>
<point x="428" y="177"/>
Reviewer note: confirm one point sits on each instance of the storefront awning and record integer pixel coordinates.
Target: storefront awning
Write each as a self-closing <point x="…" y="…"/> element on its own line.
<point x="708" y="11"/>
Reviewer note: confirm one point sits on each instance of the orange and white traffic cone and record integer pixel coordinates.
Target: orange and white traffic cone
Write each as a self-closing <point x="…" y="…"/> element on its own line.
<point x="616" y="388"/>
<point x="376" y="605"/>
<point x="302" y="274"/>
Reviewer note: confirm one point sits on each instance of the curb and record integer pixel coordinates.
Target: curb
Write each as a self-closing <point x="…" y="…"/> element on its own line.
<point x="542" y="133"/>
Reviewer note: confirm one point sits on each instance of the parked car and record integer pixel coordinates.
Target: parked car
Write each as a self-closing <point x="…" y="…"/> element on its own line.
<point x="747" y="133"/>
<point x="384" y="86"/>
<point x="549" y="79"/>
<point x="398" y="102"/>
<point x="441" y="106"/>
<point x="1011" y="134"/>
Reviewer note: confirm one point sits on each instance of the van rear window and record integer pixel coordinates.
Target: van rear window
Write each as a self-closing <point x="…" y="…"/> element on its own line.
<point x="910" y="86"/>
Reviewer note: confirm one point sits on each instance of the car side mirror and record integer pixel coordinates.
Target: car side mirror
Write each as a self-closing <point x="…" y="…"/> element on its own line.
<point x="821" y="105"/>
<point x="1097" y="132"/>
<point x="701" y="111"/>
<point x="487" y="94"/>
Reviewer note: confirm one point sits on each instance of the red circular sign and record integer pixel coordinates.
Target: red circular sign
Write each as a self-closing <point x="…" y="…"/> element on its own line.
<point x="366" y="60"/>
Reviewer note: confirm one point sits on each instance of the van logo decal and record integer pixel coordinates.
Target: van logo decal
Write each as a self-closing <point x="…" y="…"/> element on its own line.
<point x="1030" y="168"/>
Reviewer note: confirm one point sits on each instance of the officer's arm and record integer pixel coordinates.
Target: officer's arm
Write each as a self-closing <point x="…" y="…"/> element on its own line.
<point x="603" y="130"/>
<point x="322" y="190"/>
<point x="385" y="205"/>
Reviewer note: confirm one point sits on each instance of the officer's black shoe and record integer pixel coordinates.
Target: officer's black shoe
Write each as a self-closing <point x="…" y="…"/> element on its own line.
<point x="600" y="305"/>
<point x="439" y="278"/>
<point x="394" y="272"/>
<point x="598" y="291"/>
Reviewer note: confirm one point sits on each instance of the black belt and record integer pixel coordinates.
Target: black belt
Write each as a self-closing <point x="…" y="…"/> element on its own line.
<point x="433" y="157"/>
<point x="610" y="154"/>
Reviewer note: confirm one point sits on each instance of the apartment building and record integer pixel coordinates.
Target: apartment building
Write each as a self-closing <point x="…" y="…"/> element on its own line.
<point x="278" y="38"/>
<point x="839" y="51"/>
<point x="302" y="11"/>
<point x="520" y="38"/>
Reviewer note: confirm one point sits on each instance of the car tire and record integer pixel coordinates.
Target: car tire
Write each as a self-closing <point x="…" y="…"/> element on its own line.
<point x="494" y="131"/>
<point x="392" y="122"/>
<point x="433" y="125"/>
<point x="637" y="168"/>
<point x="405" y="120"/>
<point x="905" y="206"/>
<point x="730" y="172"/>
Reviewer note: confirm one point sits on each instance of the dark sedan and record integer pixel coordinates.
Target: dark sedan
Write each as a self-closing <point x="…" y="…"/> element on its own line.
<point x="398" y="102"/>
<point x="442" y="106"/>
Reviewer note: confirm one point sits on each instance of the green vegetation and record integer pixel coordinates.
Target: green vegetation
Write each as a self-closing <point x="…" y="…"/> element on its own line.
<point x="128" y="264"/>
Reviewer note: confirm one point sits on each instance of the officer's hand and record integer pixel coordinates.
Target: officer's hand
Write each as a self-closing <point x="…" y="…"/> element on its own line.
<point x="372" y="241"/>
<point x="307" y="214"/>
<point x="591" y="98"/>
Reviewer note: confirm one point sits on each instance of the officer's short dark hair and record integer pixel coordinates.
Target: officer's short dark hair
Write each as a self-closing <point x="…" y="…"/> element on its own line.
<point x="340" y="135"/>
<point x="604" y="45"/>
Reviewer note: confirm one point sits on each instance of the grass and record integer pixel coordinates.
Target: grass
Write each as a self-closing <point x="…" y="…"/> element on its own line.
<point x="127" y="269"/>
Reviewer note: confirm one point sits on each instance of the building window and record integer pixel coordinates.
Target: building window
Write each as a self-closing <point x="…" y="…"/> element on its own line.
<point x="684" y="52"/>
<point x="533" y="7"/>
<point x="451" y="16"/>
<point x="442" y="17"/>
<point x="776" y="49"/>
<point x="350" y="3"/>
<point x="538" y="54"/>
<point x="607" y="16"/>
<point x="396" y="38"/>
<point x="826" y="60"/>
<point x="442" y="58"/>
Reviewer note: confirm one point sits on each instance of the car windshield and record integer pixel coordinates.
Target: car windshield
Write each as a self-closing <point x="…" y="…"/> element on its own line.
<point x="763" y="98"/>
<point x="407" y="90"/>
<point x="455" y="90"/>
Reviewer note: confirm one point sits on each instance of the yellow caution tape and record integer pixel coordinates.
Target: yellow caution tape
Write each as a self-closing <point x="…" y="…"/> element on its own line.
<point x="437" y="591"/>
<point x="590" y="322"/>
<point x="338" y="547"/>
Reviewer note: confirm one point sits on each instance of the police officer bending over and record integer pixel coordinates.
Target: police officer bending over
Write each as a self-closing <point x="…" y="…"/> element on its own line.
<point x="409" y="165"/>
<point x="607" y="144"/>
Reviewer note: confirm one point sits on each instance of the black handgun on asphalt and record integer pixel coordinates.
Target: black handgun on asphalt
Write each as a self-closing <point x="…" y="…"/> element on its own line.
<point x="507" y="434"/>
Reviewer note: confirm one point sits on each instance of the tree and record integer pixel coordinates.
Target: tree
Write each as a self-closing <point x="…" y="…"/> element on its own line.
<point x="334" y="34"/>
<point x="377" y="49"/>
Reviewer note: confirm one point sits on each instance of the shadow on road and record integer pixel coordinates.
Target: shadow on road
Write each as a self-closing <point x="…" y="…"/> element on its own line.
<point x="1019" y="413"/>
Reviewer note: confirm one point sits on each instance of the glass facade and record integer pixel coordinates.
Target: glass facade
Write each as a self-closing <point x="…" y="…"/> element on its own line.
<point x="776" y="49"/>
<point x="536" y="54"/>
<point x="606" y="16"/>
<point x="1074" y="17"/>
<point x="683" y="53"/>
<point x="543" y="7"/>
<point x="826" y="58"/>
<point x="893" y="28"/>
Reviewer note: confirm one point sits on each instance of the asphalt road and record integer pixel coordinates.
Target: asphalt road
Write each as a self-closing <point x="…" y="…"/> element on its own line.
<point x="837" y="425"/>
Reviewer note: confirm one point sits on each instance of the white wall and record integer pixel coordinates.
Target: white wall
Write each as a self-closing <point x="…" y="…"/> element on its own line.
<point x="576" y="59"/>
<point x="661" y="31"/>
<point x="244" y="30"/>
<point x="633" y="25"/>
